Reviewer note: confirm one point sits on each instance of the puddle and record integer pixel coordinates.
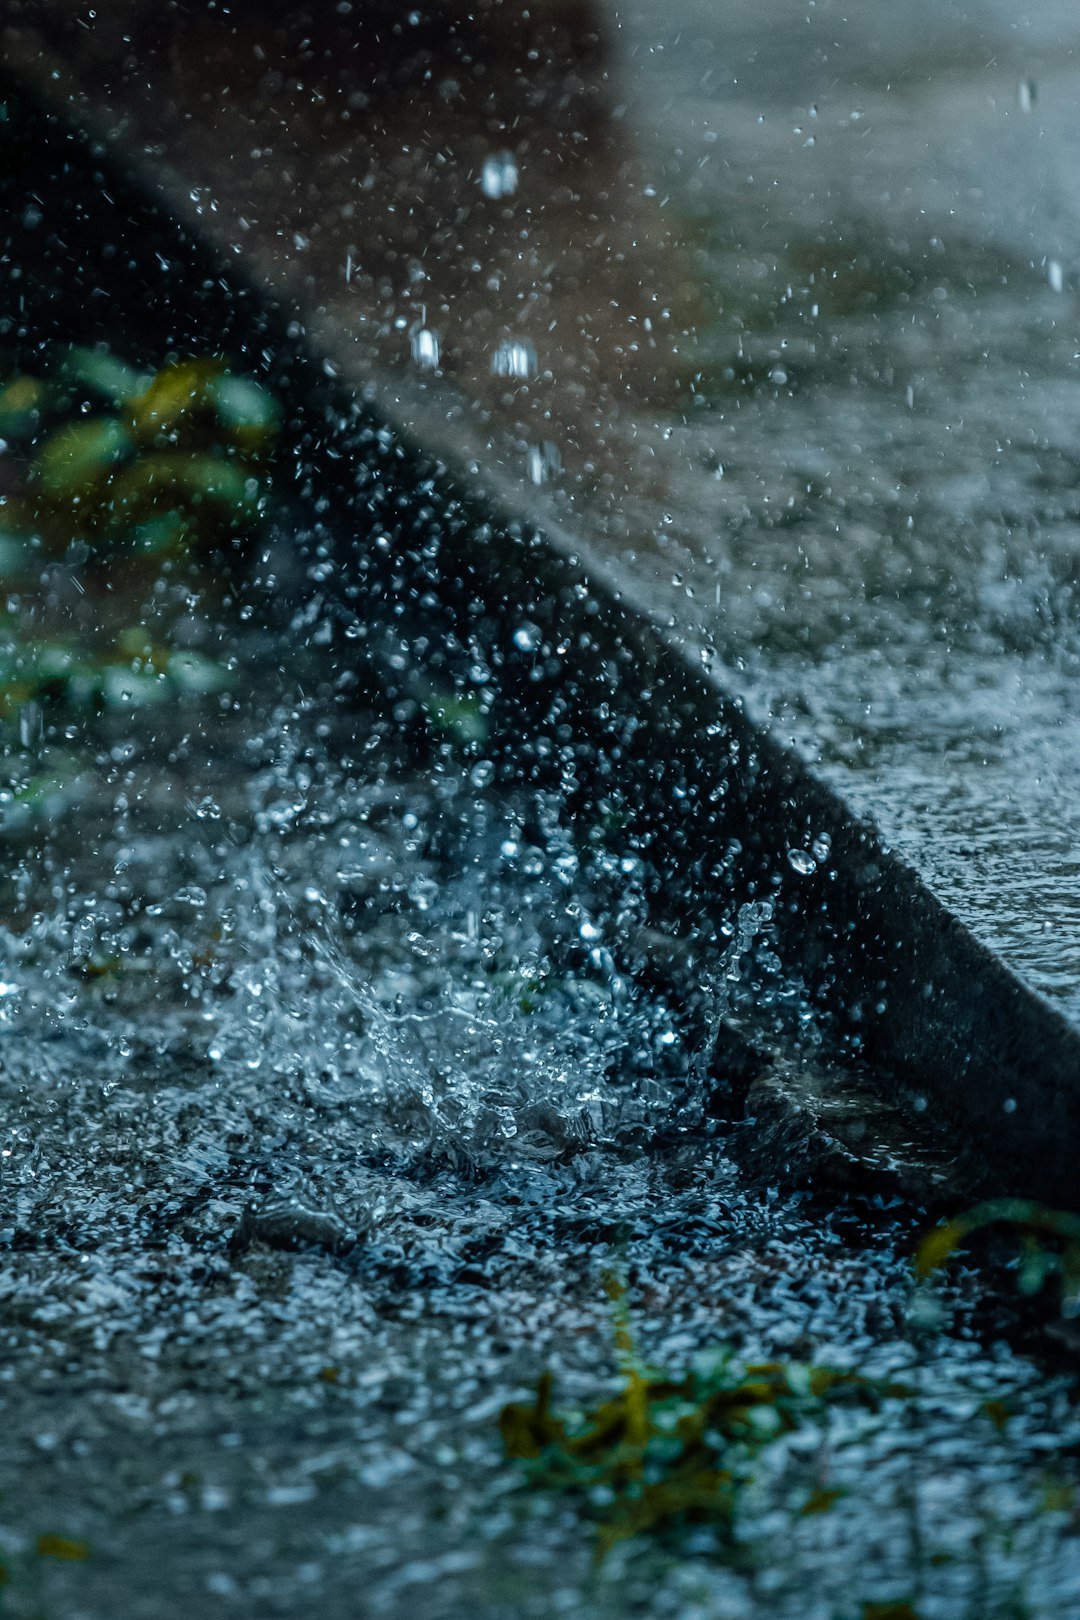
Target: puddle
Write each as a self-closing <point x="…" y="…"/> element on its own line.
<point x="330" y="1107"/>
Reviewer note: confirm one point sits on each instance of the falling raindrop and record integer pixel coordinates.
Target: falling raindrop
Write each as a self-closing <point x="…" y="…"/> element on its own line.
<point x="801" y="861"/>
<point x="514" y="358"/>
<point x="425" y="348"/>
<point x="31" y="724"/>
<point x="544" y="462"/>
<point x="499" y="175"/>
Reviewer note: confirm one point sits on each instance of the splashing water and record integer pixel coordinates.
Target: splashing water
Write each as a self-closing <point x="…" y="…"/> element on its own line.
<point x="328" y="1102"/>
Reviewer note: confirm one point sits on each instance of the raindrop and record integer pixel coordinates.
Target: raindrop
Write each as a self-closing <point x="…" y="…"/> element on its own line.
<point x="527" y="637"/>
<point x="514" y="358"/>
<point x="499" y="175"/>
<point x="1025" y="94"/>
<point x="425" y="349"/>
<point x="31" y="724"/>
<point x="1055" y="275"/>
<point x="801" y="861"/>
<point x="192" y="895"/>
<point x="544" y="462"/>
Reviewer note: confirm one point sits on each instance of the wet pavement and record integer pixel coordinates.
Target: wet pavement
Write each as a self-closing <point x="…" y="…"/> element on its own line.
<point x="329" y="1110"/>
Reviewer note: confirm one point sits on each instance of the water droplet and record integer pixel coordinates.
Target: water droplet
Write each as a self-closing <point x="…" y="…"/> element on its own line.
<point x="1055" y="275"/>
<point x="499" y="175"/>
<point x="425" y="349"/>
<point x="1025" y="94"/>
<point x="801" y="861"/>
<point x="543" y="461"/>
<point x="31" y="724"/>
<point x="514" y="358"/>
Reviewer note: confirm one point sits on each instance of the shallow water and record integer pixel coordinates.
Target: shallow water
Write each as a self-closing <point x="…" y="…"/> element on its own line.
<point x="325" y="1120"/>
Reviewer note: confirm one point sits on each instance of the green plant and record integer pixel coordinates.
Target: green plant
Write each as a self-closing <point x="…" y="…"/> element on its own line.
<point x="677" y="1449"/>
<point x="145" y="465"/>
<point x="22" y="1573"/>
<point x="1035" y="1223"/>
<point x="127" y="669"/>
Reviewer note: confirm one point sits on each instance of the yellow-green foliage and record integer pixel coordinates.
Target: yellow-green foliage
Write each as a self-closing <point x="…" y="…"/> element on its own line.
<point x="123" y="475"/>
<point x="157" y="465"/>
<point x="126" y="670"/>
<point x="1033" y="1223"/>
<point x="669" y="1450"/>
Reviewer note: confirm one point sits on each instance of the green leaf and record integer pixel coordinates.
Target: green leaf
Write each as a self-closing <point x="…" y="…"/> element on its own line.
<point x="101" y="372"/>
<point x="666" y="1450"/>
<point x="191" y="672"/>
<point x="528" y="1430"/>
<point x="821" y="1500"/>
<point x="174" y="401"/>
<point x="159" y="536"/>
<point x="22" y="401"/>
<point x="75" y="457"/>
<point x="249" y="415"/>
<point x="62" y="1547"/>
<point x="459" y="715"/>
<point x="124" y="687"/>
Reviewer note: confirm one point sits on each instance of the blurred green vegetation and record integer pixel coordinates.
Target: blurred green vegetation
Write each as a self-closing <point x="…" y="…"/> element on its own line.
<point x="117" y="461"/>
<point x="126" y="669"/>
<point x="116" y="485"/>
<point x="1049" y="1245"/>
<point x="672" y="1449"/>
